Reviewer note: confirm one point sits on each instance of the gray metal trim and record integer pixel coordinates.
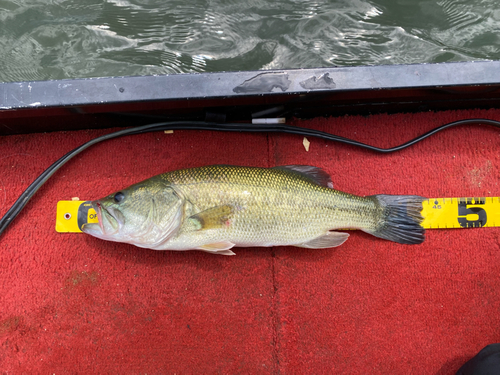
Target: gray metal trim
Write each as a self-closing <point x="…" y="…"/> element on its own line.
<point x="91" y="91"/>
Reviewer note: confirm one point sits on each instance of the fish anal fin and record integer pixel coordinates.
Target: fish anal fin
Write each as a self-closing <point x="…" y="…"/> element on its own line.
<point x="330" y="239"/>
<point x="221" y="248"/>
<point x="212" y="218"/>
<point x="315" y="174"/>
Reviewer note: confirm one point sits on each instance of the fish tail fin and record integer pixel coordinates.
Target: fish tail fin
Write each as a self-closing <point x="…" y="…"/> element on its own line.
<point x="400" y="219"/>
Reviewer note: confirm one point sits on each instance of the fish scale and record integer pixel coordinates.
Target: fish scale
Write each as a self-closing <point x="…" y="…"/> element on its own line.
<point x="280" y="208"/>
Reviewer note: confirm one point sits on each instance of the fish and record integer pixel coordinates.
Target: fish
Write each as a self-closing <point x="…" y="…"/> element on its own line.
<point x="216" y="208"/>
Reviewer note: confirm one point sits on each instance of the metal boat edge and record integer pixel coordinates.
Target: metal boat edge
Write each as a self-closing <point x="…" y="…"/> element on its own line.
<point x="38" y="106"/>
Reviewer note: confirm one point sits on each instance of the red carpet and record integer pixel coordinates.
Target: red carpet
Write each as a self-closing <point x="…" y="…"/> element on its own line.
<point x="71" y="303"/>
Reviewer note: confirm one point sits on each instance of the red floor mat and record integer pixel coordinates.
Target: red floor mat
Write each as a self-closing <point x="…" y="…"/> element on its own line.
<point x="73" y="303"/>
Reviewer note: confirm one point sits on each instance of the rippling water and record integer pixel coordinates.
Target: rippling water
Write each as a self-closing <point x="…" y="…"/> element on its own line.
<point x="55" y="39"/>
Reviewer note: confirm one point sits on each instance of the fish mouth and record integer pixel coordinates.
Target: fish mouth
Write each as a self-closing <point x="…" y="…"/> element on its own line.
<point x="107" y="222"/>
<point x="98" y="210"/>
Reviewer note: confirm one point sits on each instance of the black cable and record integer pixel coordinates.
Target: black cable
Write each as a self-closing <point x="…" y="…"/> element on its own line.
<point x="199" y="125"/>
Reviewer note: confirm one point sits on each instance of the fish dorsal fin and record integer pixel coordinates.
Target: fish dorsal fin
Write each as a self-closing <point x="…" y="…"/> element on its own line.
<point x="330" y="239"/>
<point x="214" y="217"/>
<point x="315" y="174"/>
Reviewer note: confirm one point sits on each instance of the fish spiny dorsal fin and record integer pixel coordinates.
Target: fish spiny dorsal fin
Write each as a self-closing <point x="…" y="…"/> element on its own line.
<point x="315" y="174"/>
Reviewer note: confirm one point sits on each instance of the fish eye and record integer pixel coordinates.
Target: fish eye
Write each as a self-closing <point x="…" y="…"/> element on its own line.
<point x="119" y="197"/>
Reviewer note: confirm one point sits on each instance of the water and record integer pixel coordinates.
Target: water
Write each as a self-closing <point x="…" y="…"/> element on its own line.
<point x="57" y="39"/>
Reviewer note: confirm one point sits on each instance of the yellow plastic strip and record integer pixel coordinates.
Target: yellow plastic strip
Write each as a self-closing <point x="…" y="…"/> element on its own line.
<point x="71" y="215"/>
<point x="438" y="213"/>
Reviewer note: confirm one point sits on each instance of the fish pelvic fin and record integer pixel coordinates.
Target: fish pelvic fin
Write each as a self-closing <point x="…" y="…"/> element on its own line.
<point x="330" y="239"/>
<point x="400" y="219"/>
<point x="221" y="248"/>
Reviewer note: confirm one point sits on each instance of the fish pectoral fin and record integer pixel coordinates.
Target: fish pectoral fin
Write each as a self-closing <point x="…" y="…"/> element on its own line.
<point x="212" y="218"/>
<point x="330" y="239"/>
<point x="221" y="248"/>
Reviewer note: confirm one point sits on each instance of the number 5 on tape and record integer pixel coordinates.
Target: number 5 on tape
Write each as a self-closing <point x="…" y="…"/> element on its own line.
<point x="71" y="215"/>
<point x="461" y="212"/>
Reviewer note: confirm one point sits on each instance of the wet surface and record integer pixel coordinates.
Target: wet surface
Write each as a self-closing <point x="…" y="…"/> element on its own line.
<point x="91" y="38"/>
<point x="264" y="82"/>
<point x="323" y="82"/>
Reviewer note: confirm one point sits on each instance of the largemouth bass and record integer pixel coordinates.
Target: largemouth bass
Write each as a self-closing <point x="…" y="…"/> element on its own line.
<point x="218" y="207"/>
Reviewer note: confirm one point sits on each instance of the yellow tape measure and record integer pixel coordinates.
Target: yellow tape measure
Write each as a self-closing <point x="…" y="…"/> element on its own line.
<point x="441" y="213"/>
<point x="71" y="215"/>
<point x="438" y="213"/>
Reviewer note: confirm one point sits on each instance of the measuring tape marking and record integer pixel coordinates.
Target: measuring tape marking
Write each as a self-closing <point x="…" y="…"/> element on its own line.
<point x="473" y="212"/>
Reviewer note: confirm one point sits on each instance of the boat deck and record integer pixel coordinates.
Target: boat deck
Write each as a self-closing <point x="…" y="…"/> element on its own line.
<point x="71" y="302"/>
